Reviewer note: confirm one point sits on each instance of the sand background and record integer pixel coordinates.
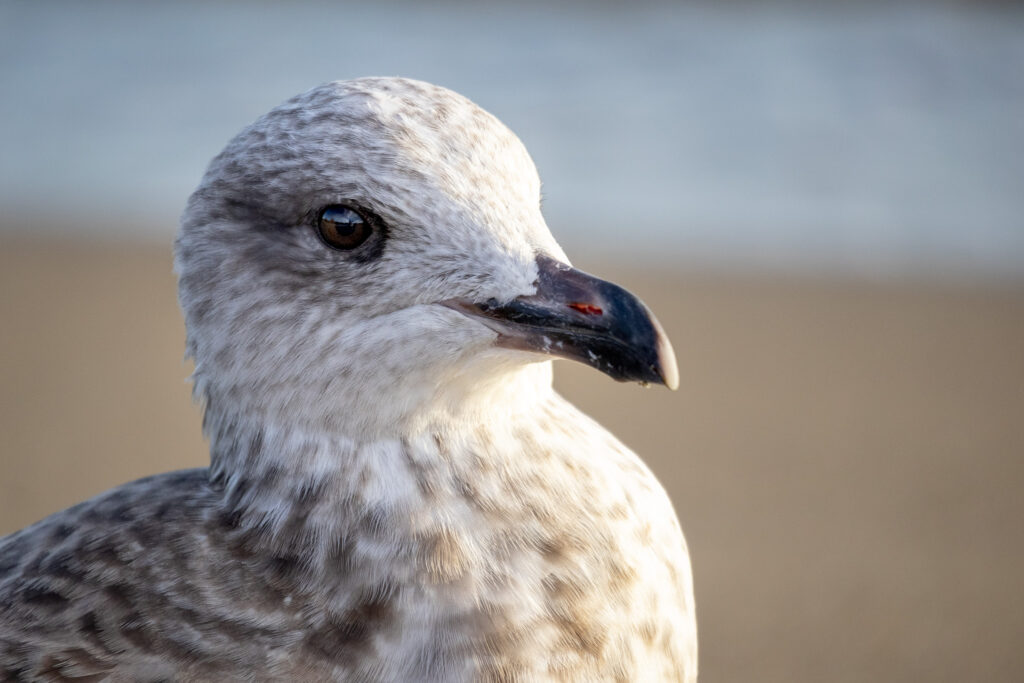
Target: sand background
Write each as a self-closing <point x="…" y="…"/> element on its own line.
<point x="847" y="458"/>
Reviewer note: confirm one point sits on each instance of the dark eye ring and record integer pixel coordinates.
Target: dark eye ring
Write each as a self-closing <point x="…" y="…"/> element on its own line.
<point x="343" y="227"/>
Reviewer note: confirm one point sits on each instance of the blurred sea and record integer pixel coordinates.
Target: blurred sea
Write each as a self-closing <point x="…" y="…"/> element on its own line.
<point x="867" y="138"/>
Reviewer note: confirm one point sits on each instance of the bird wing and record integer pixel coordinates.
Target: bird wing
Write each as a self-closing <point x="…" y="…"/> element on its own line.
<point x="128" y="582"/>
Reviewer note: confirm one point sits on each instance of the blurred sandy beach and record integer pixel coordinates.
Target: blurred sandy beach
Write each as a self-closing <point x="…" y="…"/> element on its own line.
<point x="846" y="457"/>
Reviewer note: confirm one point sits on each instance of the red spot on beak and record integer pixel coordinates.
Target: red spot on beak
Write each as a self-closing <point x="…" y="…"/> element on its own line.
<point x="589" y="309"/>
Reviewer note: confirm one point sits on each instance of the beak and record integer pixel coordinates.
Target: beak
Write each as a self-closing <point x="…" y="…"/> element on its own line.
<point x="578" y="316"/>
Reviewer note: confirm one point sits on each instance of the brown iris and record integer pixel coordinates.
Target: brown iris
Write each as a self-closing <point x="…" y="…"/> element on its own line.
<point x="342" y="227"/>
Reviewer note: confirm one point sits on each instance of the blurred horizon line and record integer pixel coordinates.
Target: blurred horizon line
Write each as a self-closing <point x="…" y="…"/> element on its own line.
<point x="698" y="260"/>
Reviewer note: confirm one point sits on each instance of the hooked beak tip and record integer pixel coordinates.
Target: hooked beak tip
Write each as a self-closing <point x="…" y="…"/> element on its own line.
<point x="667" y="368"/>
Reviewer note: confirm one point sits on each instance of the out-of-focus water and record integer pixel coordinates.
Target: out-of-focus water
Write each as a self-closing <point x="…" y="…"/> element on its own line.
<point x="874" y="138"/>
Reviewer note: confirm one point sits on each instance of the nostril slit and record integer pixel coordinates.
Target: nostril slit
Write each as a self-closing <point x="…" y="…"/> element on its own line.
<point x="589" y="309"/>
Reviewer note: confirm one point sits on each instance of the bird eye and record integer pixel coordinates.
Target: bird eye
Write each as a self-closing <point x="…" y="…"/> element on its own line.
<point x="342" y="227"/>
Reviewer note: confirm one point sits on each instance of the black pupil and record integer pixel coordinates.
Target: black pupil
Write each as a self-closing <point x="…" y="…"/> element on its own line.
<point x="343" y="220"/>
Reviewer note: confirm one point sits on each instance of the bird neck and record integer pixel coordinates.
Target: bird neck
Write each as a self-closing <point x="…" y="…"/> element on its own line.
<point x="300" y="486"/>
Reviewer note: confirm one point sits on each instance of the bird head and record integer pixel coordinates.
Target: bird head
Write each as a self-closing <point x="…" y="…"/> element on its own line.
<point x="373" y="252"/>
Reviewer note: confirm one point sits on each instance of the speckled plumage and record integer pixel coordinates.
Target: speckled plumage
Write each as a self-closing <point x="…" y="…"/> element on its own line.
<point x="391" y="496"/>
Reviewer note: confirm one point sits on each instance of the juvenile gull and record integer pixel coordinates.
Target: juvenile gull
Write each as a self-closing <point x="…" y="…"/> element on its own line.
<point x="395" y="493"/>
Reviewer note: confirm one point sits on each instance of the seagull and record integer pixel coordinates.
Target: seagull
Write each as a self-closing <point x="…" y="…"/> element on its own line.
<point x="396" y="492"/>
